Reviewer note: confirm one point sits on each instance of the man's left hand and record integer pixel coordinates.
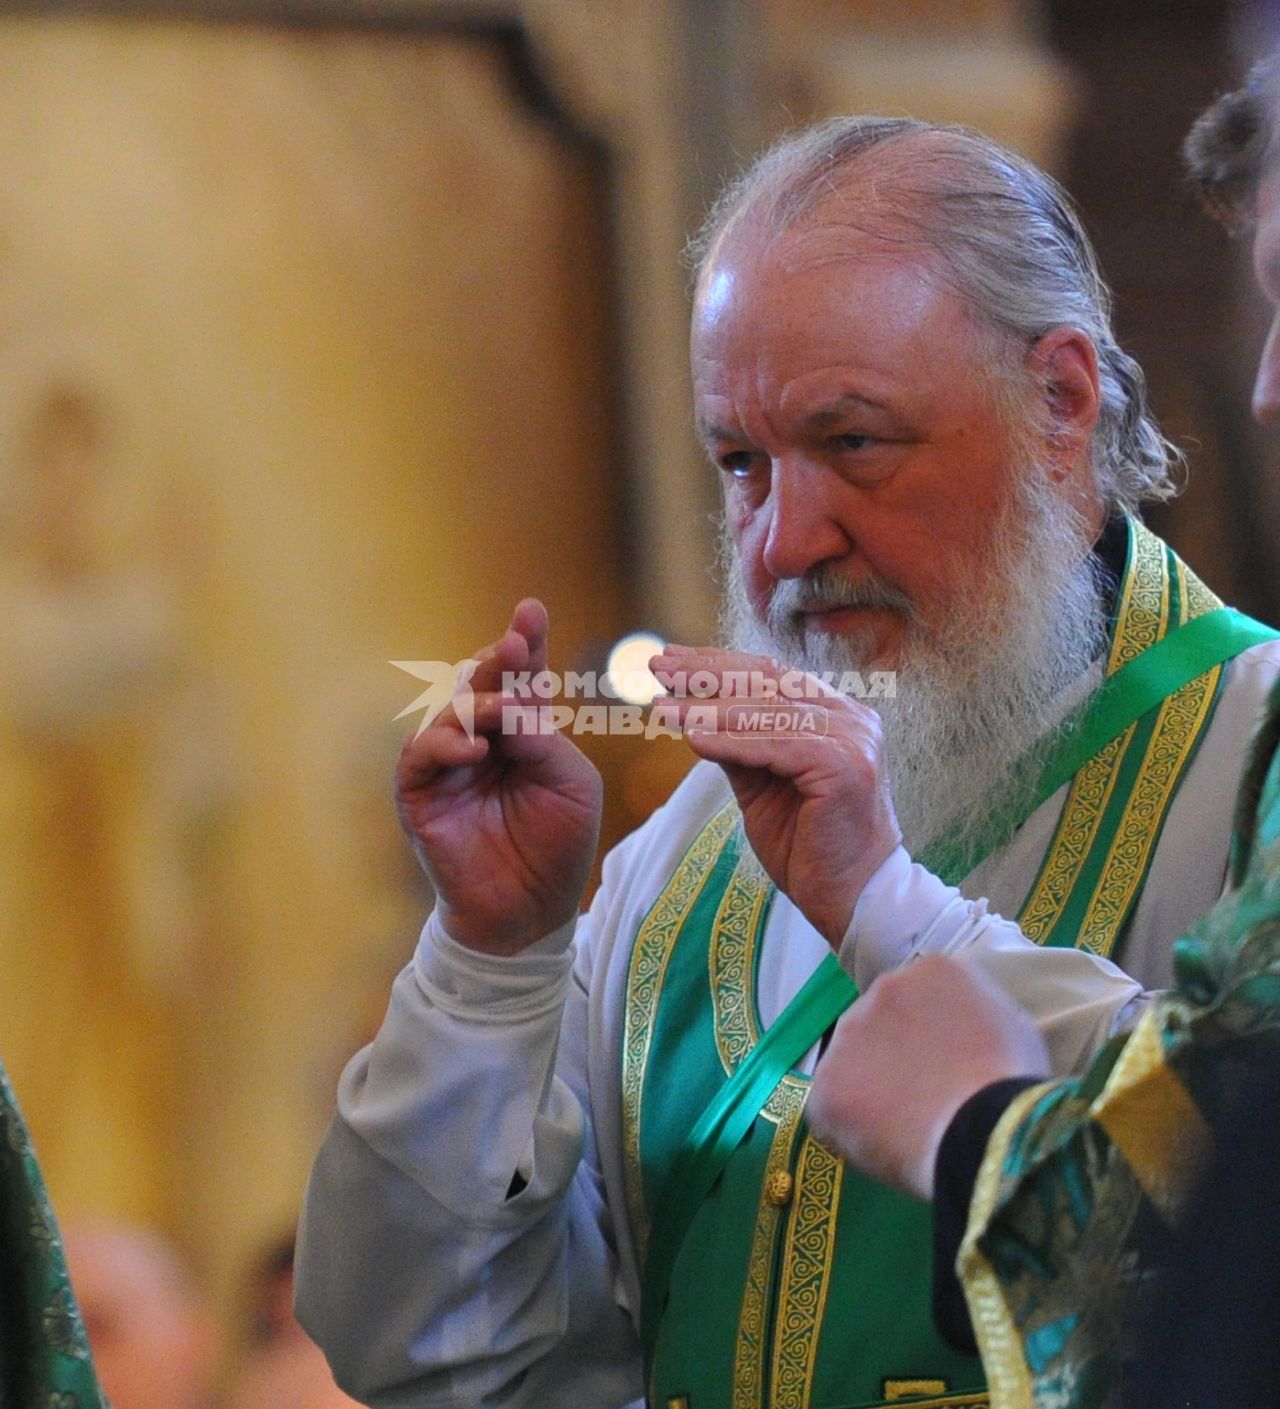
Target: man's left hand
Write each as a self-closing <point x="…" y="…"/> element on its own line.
<point x="805" y="765"/>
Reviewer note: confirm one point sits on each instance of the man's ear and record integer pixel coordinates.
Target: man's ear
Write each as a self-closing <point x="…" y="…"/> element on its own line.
<point x="1064" y="365"/>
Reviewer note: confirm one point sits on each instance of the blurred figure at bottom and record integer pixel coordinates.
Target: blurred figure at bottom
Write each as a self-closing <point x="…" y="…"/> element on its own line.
<point x="283" y="1368"/>
<point x="154" y="1339"/>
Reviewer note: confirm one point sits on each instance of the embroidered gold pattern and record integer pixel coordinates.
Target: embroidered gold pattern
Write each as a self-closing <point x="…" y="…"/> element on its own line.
<point x="1003" y="1360"/>
<point x="1195" y="597"/>
<point x="806" y="1274"/>
<point x="753" y="1318"/>
<point x="731" y="960"/>
<point x="1082" y="813"/>
<point x="902" y="1389"/>
<point x="1178" y="724"/>
<point x="1154" y="1122"/>
<point x="1143" y="613"/>
<point x="649" y="958"/>
<point x="1142" y="619"/>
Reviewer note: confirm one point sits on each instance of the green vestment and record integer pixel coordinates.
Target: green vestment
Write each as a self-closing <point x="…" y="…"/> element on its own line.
<point x="793" y="1282"/>
<point x="44" y="1354"/>
<point x="1083" y="1179"/>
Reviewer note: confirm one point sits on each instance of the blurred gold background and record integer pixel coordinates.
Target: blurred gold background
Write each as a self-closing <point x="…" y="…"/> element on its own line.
<point x="326" y="333"/>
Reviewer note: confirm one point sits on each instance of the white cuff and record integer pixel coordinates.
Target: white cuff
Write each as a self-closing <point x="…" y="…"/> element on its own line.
<point x="906" y="910"/>
<point x="493" y="988"/>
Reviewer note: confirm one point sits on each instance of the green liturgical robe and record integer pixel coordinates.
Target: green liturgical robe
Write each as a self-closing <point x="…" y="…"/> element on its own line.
<point x="773" y="1275"/>
<point x="44" y="1354"/>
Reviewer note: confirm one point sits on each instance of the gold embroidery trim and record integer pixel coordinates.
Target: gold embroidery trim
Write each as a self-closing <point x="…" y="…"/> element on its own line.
<point x="735" y="936"/>
<point x="1178" y="726"/>
<point x="1152" y="1120"/>
<point x="1142" y="617"/>
<point x="753" y="1319"/>
<point x="1195" y="597"/>
<point x="1009" y="1381"/>
<point x="731" y="960"/>
<point x="980" y="1400"/>
<point x="806" y="1274"/>
<point x="650" y="956"/>
<point x="1083" y="811"/>
<point x="909" y="1389"/>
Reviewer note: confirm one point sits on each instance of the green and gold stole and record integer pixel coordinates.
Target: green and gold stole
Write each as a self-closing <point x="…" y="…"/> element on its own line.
<point x="773" y="1275"/>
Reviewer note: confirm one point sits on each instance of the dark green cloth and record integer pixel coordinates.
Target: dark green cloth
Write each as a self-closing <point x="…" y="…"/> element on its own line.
<point x="1072" y="1240"/>
<point x="44" y="1354"/>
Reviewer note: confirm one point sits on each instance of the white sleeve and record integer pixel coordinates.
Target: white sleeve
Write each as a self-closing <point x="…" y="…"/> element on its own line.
<point x="1077" y="999"/>
<point x="455" y="1248"/>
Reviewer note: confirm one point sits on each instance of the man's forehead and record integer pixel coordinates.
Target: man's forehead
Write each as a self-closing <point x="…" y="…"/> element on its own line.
<point x="754" y="266"/>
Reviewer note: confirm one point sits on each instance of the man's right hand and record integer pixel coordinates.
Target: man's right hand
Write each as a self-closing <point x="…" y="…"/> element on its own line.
<point x="505" y="825"/>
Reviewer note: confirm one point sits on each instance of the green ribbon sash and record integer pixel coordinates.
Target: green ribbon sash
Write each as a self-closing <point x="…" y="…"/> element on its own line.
<point x="1121" y="700"/>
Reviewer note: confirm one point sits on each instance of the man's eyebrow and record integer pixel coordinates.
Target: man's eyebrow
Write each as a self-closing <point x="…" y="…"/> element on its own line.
<point x="824" y="415"/>
<point x="708" y="431"/>
<point x="841" y="406"/>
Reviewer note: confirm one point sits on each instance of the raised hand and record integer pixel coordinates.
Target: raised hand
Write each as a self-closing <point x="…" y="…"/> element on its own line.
<point x="809" y="781"/>
<point x="505" y="824"/>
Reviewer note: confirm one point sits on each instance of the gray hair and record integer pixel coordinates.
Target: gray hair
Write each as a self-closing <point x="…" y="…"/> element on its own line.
<point x="1008" y="239"/>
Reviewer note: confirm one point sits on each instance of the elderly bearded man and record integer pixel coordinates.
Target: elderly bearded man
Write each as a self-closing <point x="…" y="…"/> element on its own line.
<point x="1116" y="1233"/>
<point x="904" y="373"/>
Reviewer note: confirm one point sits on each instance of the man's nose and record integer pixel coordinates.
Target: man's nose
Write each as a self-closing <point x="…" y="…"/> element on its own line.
<point x="1266" y="386"/>
<point x="805" y="527"/>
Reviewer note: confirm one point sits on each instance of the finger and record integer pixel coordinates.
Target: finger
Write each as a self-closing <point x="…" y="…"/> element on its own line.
<point x="447" y="743"/>
<point x="531" y="621"/>
<point x="542" y="752"/>
<point x="691" y="658"/>
<point x="484" y="716"/>
<point x="767" y="717"/>
<point x="705" y="673"/>
<point x="783" y="757"/>
<point x="423" y="758"/>
<point x="514" y="650"/>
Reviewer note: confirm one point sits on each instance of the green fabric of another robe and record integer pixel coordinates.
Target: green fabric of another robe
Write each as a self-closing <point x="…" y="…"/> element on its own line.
<point x="44" y="1353"/>
<point x="1083" y="1180"/>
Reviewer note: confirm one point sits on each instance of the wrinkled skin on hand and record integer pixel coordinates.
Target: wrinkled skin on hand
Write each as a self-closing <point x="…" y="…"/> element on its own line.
<point x="906" y="1057"/>
<point x="506" y="824"/>
<point x="815" y="801"/>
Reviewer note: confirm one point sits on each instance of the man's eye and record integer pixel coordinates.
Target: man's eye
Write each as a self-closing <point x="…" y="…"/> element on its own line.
<point x="852" y="440"/>
<point x="736" y="462"/>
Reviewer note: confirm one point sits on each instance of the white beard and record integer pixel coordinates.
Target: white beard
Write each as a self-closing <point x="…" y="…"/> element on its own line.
<point x="978" y="695"/>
